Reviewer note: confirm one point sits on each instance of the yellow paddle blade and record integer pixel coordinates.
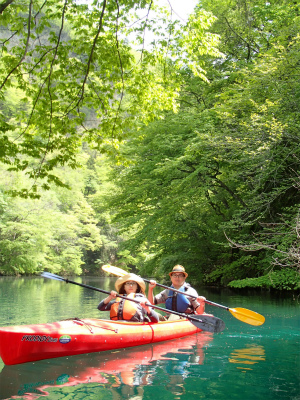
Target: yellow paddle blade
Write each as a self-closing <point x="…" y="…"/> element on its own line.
<point x="114" y="270"/>
<point x="248" y="316"/>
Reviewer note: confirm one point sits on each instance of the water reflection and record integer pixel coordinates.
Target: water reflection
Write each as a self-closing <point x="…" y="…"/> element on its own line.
<point x="247" y="356"/>
<point x="123" y="372"/>
<point x="275" y="376"/>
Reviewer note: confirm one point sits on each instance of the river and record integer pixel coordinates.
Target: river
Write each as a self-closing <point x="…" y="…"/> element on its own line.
<point x="243" y="362"/>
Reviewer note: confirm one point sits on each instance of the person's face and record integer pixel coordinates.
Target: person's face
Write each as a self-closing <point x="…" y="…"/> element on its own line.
<point x="177" y="279"/>
<point x="130" y="287"/>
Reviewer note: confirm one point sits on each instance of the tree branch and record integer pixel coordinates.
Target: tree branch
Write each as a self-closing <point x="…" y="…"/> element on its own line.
<point x="49" y="91"/>
<point x="121" y="67"/>
<point x="242" y="39"/>
<point x="143" y="46"/>
<point x="4" y="5"/>
<point x="91" y="53"/>
<point x="235" y="196"/>
<point x="26" y="47"/>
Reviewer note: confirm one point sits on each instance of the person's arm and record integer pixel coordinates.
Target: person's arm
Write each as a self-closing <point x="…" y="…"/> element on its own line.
<point x="153" y="316"/>
<point x="150" y="312"/>
<point x="109" y="298"/>
<point x="152" y="285"/>
<point x="199" y="303"/>
<point x="105" y="305"/>
<point x="201" y="307"/>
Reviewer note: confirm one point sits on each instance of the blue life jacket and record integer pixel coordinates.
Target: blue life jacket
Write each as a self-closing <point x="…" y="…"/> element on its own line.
<point x="177" y="301"/>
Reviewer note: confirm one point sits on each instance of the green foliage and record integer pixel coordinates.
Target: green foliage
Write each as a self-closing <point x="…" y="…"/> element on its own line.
<point x="51" y="233"/>
<point x="228" y="162"/>
<point x="245" y="265"/>
<point x="202" y="146"/>
<point x="69" y="61"/>
<point x="287" y="279"/>
<point x="161" y="199"/>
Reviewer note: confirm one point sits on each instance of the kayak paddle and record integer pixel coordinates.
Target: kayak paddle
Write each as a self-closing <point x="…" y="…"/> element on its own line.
<point x="204" y="322"/>
<point x="247" y="316"/>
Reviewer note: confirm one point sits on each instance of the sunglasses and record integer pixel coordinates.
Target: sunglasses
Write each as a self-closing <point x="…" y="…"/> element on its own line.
<point x="178" y="275"/>
<point x="130" y="283"/>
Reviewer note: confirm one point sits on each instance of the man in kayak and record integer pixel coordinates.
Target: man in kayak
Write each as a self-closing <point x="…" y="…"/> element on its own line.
<point x="175" y="301"/>
<point x="131" y="286"/>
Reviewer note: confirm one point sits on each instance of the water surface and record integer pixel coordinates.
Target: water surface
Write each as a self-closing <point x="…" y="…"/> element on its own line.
<point x="243" y="362"/>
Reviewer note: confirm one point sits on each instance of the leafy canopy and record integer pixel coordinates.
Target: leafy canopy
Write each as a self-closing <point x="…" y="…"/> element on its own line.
<point x="82" y="73"/>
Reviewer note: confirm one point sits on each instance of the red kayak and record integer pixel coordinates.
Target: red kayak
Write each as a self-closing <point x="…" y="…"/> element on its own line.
<point x="127" y="366"/>
<point x="111" y="368"/>
<point x="26" y="343"/>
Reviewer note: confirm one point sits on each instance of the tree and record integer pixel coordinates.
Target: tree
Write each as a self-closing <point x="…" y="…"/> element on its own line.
<point x="228" y="162"/>
<point x="70" y="61"/>
<point x="54" y="232"/>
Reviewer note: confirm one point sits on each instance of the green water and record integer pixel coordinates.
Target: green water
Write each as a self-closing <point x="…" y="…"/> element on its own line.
<point x="243" y="362"/>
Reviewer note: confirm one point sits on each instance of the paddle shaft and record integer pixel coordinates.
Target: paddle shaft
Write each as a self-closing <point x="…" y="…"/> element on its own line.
<point x="126" y="298"/>
<point x="244" y="315"/>
<point x="247" y="316"/>
<point x="193" y="297"/>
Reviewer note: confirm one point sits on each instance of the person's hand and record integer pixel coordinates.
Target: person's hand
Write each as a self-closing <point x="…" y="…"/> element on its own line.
<point x="152" y="284"/>
<point x="200" y="299"/>
<point x="144" y="303"/>
<point x="109" y="298"/>
<point x="113" y="295"/>
<point x="200" y="309"/>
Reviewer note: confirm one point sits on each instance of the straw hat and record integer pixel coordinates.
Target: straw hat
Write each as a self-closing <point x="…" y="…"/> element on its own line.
<point x="179" y="268"/>
<point x="130" y="277"/>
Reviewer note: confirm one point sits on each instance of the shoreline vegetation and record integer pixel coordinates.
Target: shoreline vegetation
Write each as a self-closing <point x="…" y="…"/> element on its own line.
<point x="267" y="285"/>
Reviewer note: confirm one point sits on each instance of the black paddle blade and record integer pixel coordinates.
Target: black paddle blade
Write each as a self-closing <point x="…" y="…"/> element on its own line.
<point x="207" y="323"/>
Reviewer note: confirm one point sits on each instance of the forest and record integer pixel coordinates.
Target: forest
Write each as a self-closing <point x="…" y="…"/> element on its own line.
<point x="132" y="137"/>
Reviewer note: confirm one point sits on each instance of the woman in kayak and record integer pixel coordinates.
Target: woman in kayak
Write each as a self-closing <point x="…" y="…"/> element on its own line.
<point x="176" y="301"/>
<point x="131" y="286"/>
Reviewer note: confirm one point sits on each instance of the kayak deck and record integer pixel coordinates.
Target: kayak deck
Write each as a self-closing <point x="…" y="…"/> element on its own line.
<point x="27" y="343"/>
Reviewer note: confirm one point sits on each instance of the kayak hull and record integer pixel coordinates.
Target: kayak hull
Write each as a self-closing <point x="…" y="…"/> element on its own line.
<point x="27" y="343"/>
